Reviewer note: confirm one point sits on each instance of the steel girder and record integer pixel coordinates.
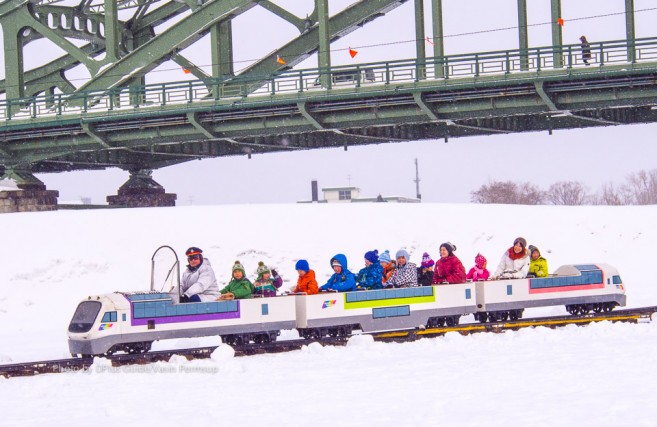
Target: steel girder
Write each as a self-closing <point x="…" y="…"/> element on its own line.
<point x="409" y="112"/>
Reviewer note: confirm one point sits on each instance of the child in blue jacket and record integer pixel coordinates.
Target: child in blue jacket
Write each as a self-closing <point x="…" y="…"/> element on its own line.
<point x="370" y="276"/>
<point x="342" y="279"/>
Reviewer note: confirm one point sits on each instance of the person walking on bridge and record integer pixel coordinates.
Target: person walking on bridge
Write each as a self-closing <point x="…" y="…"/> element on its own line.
<point x="586" y="50"/>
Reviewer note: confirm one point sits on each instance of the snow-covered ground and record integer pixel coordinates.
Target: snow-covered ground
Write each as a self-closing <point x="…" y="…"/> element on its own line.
<point x="600" y="375"/>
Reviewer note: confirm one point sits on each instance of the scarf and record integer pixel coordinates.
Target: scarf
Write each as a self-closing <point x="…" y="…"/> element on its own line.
<point x="514" y="256"/>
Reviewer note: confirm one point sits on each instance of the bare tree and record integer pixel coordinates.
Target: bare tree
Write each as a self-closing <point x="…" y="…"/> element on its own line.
<point x="610" y="195"/>
<point x="641" y="188"/>
<point x="508" y="192"/>
<point x="570" y="193"/>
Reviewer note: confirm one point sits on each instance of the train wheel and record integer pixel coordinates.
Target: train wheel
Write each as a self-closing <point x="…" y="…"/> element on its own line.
<point x="138" y="347"/>
<point x="452" y="320"/>
<point x="513" y="315"/>
<point x="481" y="317"/>
<point x="607" y="307"/>
<point x="572" y="309"/>
<point x="597" y="308"/>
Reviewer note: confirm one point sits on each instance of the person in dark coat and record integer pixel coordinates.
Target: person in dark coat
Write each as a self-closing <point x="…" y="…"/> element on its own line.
<point x="425" y="271"/>
<point x="586" y="50"/>
<point x="448" y="268"/>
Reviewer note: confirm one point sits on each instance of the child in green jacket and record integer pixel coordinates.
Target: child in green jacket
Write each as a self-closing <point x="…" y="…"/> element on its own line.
<point x="239" y="287"/>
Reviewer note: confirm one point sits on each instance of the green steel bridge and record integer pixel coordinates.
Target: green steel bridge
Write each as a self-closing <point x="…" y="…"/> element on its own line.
<point x="116" y="119"/>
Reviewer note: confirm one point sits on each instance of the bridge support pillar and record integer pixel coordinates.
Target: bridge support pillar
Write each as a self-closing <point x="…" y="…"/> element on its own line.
<point x="29" y="194"/>
<point x="141" y="191"/>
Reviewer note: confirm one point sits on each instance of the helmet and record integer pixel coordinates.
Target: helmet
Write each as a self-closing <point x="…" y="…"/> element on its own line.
<point x="193" y="251"/>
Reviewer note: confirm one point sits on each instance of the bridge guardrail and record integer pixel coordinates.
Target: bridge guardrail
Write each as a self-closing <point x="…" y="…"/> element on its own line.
<point x="339" y="77"/>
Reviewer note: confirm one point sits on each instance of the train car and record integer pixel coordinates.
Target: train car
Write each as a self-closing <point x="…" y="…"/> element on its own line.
<point x="337" y="314"/>
<point x="131" y="322"/>
<point x="580" y="287"/>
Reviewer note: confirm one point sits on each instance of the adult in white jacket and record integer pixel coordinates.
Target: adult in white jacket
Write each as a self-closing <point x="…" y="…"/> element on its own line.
<point x="515" y="261"/>
<point x="199" y="283"/>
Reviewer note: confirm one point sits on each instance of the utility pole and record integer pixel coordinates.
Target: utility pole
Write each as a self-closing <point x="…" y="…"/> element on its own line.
<point x="417" y="181"/>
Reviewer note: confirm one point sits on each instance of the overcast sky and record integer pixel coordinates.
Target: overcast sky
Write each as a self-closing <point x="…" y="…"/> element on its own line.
<point x="449" y="171"/>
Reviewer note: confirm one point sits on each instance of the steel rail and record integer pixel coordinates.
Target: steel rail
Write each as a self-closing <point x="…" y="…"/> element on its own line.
<point x="634" y="315"/>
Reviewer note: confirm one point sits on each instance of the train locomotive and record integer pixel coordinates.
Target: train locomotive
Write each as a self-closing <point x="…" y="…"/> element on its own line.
<point x="132" y="321"/>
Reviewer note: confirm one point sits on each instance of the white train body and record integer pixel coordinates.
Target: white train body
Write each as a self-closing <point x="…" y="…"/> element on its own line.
<point x="385" y="309"/>
<point x="132" y="321"/>
<point x="125" y="321"/>
<point x="570" y="284"/>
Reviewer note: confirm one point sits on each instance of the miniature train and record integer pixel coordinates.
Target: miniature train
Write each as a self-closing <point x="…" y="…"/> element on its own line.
<point x="132" y="321"/>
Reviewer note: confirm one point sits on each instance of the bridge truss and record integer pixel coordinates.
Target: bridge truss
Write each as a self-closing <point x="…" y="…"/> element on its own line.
<point x="114" y="119"/>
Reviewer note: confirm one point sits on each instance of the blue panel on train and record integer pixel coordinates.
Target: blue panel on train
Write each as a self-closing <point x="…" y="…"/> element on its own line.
<point x="509" y="289"/>
<point x="380" y="313"/>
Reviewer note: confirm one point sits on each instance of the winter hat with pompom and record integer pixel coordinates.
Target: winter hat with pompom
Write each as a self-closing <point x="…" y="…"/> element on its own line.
<point x="385" y="256"/>
<point x="238" y="266"/>
<point x="480" y="261"/>
<point x="372" y="256"/>
<point x="262" y="269"/>
<point x="426" y="261"/>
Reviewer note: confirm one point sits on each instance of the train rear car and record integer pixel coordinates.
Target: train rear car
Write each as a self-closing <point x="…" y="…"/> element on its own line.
<point x="580" y="287"/>
<point x="337" y="314"/>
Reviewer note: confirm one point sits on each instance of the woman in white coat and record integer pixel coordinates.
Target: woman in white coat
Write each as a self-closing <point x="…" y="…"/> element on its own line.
<point x="515" y="262"/>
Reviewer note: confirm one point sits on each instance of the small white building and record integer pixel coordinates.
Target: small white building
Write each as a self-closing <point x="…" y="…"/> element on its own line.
<point x="353" y="195"/>
<point x="341" y="194"/>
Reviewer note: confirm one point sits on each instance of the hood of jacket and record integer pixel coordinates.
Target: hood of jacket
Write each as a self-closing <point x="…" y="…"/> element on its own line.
<point x="341" y="259"/>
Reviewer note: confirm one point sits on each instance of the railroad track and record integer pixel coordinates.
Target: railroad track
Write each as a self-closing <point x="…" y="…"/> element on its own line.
<point x="635" y="315"/>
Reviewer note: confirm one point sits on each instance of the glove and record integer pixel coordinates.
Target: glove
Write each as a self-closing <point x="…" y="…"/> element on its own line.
<point x="274" y="272"/>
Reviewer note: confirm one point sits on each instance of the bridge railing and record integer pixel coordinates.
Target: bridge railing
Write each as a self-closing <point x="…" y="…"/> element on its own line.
<point x="347" y="78"/>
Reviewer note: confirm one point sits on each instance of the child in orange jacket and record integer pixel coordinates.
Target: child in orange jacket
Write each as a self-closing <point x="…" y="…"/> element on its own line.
<point x="306" y="282"/>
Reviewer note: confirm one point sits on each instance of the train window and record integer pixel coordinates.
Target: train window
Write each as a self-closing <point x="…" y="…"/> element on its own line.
<point x="109" y="316"/>
<point x="265" y="309"/>
<point x="617" y="280"/>
<point x="84" y="317"/>
<point x="123" y="317"/>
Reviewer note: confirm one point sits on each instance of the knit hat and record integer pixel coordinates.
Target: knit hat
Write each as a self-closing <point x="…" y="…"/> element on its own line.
<point x="262" y="269"/>
<point x="426" y="261"/>
<point x="402" y="253"/>
<point x="480" y="261"/>
<point x="533" y="248"/>
<point x="335" y="262"/>
<point x="238" y="266"/>
<point x="302" y="264"/>
<point x="449" y="246"/>
<point x="385" y="256"/>
<point x="372" y="256"/>
<point x="522" y="242"/>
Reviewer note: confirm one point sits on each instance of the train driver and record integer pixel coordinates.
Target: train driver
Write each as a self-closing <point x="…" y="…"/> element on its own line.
<point x="199" y="283"/>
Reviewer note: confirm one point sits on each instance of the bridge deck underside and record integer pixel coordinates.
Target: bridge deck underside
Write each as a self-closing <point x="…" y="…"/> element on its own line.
<point x="160" y="136"/>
